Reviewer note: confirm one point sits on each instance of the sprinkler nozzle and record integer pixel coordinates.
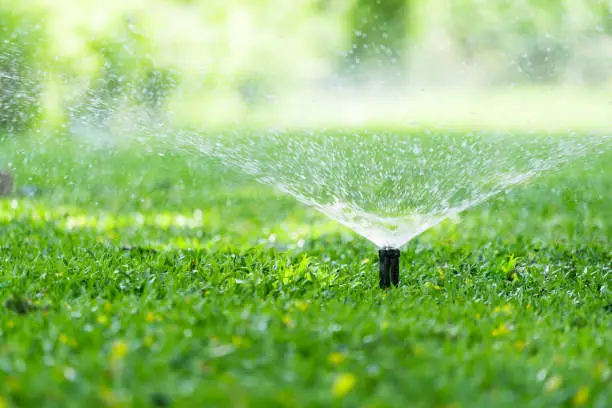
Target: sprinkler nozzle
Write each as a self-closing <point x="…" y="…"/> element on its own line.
<point x="389" y="267"/>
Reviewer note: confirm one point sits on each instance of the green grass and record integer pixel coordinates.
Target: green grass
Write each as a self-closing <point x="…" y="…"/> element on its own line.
<point x="132" y="279"/>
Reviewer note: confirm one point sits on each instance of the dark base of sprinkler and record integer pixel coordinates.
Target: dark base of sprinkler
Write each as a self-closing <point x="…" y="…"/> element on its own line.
<point x="389" y="267"/>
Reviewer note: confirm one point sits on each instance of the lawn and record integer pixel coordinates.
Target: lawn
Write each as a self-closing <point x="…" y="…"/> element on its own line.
<point x="128" y="278"/>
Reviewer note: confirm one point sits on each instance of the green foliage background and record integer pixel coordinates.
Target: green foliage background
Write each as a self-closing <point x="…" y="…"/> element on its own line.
<point x="61" y="59"/>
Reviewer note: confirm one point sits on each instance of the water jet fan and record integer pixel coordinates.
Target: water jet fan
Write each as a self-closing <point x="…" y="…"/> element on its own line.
<point x="389" y="187"/>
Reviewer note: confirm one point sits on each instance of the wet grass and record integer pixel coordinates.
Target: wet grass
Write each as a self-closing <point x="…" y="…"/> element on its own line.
<point x="133" y="279"/>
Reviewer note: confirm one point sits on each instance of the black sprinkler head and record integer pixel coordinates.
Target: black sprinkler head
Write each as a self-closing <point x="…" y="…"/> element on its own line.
<point x="388" y="259"/>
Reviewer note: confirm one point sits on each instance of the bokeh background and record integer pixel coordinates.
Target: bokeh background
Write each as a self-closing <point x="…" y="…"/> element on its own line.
<point x="211" y="62"/>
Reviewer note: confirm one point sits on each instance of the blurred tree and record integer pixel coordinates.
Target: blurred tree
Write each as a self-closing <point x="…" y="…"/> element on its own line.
<point x="604" y="11"/>
<point x="529" y="39"/>
<point x="379" y="35"/>
<point x="128" y="77"/>
<point x="155" y="87"/>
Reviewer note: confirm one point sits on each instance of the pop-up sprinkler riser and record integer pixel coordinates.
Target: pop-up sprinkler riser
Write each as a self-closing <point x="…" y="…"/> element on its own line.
<point x="389" y="267"/>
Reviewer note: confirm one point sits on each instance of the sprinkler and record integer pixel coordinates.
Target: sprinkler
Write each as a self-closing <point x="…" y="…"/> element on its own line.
<point x="388" y="259"/>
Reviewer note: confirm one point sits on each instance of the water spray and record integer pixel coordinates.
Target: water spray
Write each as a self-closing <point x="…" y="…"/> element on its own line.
<point x="389" y="267"/>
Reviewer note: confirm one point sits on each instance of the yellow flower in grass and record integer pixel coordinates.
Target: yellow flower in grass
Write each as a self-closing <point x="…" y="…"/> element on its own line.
<point x="336" y="358"/>
<point x="301" y="305"/>
<point x="62" y="338"/>
<point x="10" y="324"/>
<point x="150" y="318"/>
<point x="119" y="350"/>
<point x="553" y="384"/>
<point x="581" y="397"/>
<point x="288" y="322"/>
<point x="508" y="309"/>
<point x="239" y="342"/>
<point x="13" y="384"/>
<point x="500" y="330"/>
<point x="431" y="285"/>
<point x="601" y="371"/>
<point x="107" y="395"/>
<point x="102" y="319"/>
<point x="343" y="384"/>
<point x="418" y="350"/>
<point x="519" y="345"/>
